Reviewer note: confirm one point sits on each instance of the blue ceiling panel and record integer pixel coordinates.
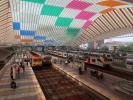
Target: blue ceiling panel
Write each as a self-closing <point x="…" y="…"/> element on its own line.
<point x="16" y="26"/>
<point x="27" y="33"/>
<point x="40" y="37"/>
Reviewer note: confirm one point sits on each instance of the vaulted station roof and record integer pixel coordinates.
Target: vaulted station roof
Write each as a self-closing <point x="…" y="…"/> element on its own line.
<point x="5" y="22"/>
<point x="63" y="22"/>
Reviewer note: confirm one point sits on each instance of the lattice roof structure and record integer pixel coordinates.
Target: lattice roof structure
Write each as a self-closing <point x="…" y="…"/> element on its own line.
<point x="63" y="22"/>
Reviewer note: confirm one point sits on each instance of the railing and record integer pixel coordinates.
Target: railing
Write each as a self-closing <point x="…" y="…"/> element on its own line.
<point x="3" y="70"/>
<point x="118" y="59"/>
<point x="119" y="62"/>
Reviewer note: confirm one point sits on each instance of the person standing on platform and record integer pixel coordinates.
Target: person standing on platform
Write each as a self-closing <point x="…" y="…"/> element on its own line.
<point x="66" y="62"/>
<point x="13" y="77"/>
<point x="25" y="64"/>
<point x="18" y="71"/>
<point x="11" y="72"/>
<point x="80" y="70"/>
<point x="26" y="59"/>
<point x="23" y="67"/>
<point x="82" y="64"/>
<point x="14" y="71"/>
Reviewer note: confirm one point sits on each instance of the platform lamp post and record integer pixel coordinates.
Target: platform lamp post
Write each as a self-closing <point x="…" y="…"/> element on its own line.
<point x="67" y="51"/>
<point x="20" y="51"/>
<point x="33" y="45"/>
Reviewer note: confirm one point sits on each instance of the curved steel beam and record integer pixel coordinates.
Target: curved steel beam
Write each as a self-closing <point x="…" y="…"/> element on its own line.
<point x="131" y="1"/>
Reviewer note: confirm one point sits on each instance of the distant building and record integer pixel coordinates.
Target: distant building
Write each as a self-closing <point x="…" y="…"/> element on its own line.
<point x="95" y="44"/>
<point x="114" y="45"/>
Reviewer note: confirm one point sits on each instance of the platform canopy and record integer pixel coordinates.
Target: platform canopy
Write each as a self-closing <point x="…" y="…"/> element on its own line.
<point x="63" y="22"/>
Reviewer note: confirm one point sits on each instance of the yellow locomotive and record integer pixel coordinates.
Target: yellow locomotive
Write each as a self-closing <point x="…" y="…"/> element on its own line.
<point x="39" y="61"/>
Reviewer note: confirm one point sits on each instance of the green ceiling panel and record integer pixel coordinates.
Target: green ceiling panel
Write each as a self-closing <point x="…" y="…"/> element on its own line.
<point x="72" y="32"/>
<point x="51" y="10"/>
<point x="63" y="22"/>
<point x="36" y="1"/>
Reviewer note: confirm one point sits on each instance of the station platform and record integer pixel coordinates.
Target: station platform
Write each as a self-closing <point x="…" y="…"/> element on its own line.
<point x="28" y="87"/>
<point x="106" y="87"/>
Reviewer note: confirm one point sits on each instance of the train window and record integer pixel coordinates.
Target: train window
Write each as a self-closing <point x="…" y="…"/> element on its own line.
<point x="108" y="55"/>
<point x="98" y="60"/>
<point x="93" y="60"/>
<point x="110" y="59"/>
<point x="36" y="60"/>
<point x="129" y="63"/>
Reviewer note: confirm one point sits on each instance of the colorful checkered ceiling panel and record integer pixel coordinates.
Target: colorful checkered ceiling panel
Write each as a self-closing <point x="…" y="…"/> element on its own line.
<point x="66" y="21"/>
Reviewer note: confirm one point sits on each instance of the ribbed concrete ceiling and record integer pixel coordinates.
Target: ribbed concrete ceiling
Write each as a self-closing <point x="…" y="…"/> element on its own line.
<point x="128" y="1"/>
<point x="114" y="23"/>
<point x="6" y="31"/>
<point x="63" y="22"/>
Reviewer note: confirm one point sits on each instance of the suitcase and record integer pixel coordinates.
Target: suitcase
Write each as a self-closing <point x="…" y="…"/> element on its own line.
<point x="13" y="85"/>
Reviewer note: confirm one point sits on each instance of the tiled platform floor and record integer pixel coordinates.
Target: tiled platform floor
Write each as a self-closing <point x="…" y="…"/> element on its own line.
<point x="104" y="87"/>
<point x="28" y="87"/>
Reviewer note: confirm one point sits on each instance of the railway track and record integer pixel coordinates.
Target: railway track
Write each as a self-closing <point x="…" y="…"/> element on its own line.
<point x="113" y="71"/>
<point x="34" y="54"/>
<point x="57" y="86"/>
<point x="58" y="56"/>
<point x="3" y="62"/>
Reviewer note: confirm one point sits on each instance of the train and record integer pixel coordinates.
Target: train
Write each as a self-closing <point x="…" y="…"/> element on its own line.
<point x="36" y="61"/>
<point x="93" y="58"/>
<point x="67" y="55"/>
<point x="40" y="61"/>
<point x="99" y="59"/>
<point x="129" y="61"/>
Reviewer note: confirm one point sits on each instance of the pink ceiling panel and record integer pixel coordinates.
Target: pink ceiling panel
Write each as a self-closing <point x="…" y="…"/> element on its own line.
<point x="77" y="4"/>
<point x="85" y="15"/>
<point x="87" y="24"/>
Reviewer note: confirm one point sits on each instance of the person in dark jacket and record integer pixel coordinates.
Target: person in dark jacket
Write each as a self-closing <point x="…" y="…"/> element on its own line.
<point x="11" y="73"/>
<point x="22" y="66"/>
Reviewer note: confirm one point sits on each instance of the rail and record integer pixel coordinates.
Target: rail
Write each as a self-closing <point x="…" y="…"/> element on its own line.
<point x="3" y="70"/>
<point x="83" y="84"/>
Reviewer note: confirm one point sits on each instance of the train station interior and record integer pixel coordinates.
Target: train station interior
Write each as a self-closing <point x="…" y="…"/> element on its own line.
<point x="66" y="49"/>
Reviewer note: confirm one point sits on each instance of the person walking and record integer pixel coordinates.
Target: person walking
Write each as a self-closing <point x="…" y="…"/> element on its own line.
<point x="22" y="66"/>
